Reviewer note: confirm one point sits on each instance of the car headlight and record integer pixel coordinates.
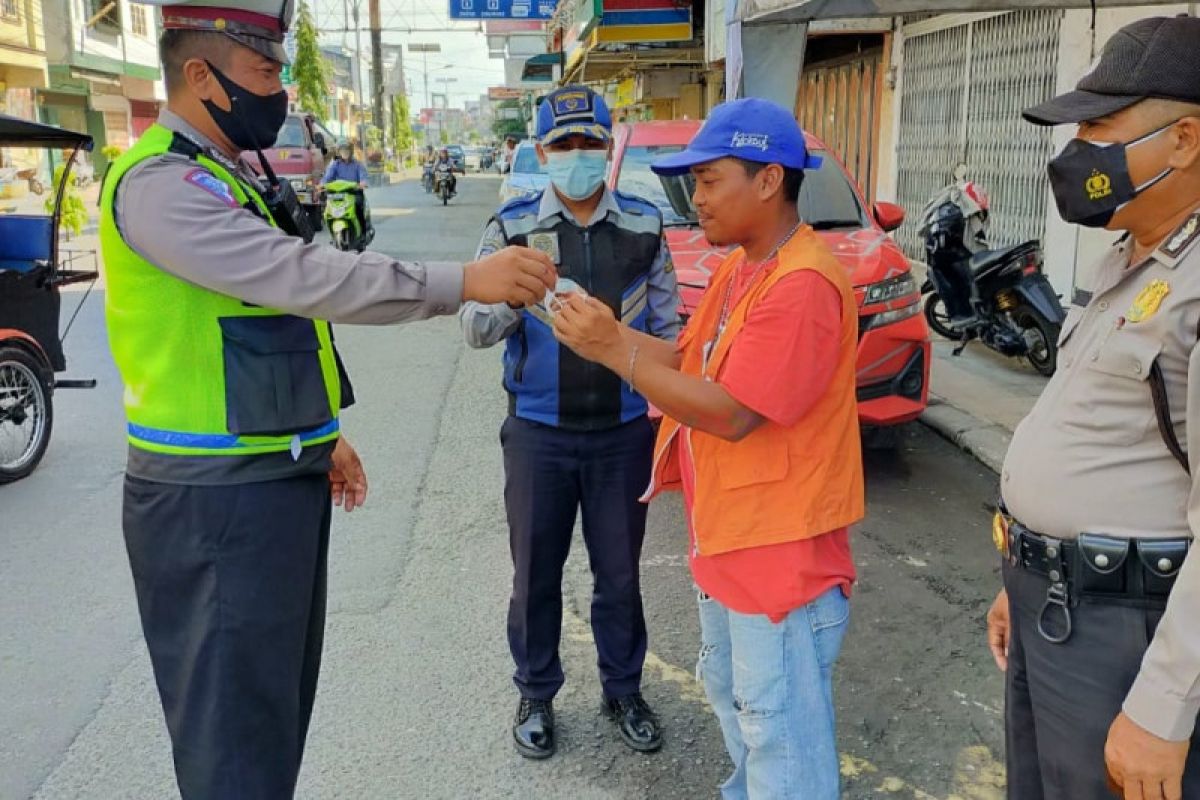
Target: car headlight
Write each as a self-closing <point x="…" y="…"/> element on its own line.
<point x="299" y="184"/>
<point x="890" y="317"/>
<point x="891" y="289"/>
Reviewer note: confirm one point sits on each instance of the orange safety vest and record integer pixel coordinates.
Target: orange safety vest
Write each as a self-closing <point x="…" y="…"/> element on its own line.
<point x="778" y="484"/>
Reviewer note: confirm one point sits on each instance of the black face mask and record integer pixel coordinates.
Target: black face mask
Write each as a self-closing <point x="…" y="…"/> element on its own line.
<point x="253" y="120"/>
<point x="1091" y="181"/>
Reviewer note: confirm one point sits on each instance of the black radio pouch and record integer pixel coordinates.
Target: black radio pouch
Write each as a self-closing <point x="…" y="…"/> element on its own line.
<point x="280" y="199"/>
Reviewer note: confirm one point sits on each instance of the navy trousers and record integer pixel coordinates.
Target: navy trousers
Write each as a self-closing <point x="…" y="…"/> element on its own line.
<point x="230" y="584"/>
<point x="550" y="475"/>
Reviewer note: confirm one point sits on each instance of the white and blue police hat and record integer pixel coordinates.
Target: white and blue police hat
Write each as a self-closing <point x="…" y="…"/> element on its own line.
<point x="751" y="129"/>
<point x="573" y="110"/>
<point x="257" y="24"/>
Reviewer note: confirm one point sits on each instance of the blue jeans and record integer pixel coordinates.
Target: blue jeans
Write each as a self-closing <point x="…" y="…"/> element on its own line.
<point x="772" y="689"/>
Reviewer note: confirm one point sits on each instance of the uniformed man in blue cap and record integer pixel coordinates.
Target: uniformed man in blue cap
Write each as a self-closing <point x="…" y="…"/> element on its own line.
<point x="215" y="306"/>
<point x="577" y="437"/>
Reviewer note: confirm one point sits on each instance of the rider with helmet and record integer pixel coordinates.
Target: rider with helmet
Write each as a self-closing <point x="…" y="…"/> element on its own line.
<point x="347" y="168"/>
<point x="446" y="165"/>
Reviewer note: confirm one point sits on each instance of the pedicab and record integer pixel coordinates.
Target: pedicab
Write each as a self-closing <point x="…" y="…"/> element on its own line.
<point x="33" y="270"/>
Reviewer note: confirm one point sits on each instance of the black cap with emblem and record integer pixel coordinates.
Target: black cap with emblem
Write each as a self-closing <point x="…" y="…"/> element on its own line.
<point x="257" y="24"/>
<point x="1155" y="57"/>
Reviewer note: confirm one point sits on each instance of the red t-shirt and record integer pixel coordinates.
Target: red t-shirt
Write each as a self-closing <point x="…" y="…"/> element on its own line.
<point x="779" y="366"/>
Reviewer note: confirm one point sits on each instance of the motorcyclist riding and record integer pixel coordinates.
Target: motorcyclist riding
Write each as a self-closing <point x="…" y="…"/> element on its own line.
<point x="347" y="168"/>
<point x="444" y="164"/>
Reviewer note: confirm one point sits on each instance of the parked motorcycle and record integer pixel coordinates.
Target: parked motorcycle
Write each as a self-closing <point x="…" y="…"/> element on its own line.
<point x="341" y="216"/>
<point x="1001" y="297"/>
<point x="443" y="185"/>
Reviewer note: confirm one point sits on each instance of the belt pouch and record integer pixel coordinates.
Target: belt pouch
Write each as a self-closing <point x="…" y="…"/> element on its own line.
<point x="1101" y="568"/>
<point x="1161" y="560"/>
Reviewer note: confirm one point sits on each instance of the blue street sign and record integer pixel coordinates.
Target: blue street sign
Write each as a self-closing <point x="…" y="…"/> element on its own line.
<point x="502" y="9"/>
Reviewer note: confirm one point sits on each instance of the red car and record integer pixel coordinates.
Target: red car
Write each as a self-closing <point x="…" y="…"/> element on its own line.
<point x="893" y="344"/>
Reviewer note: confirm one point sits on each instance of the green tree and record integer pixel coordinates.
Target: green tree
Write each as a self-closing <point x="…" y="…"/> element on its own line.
<point x="73" y="213"/>
<point x="309" y="68"/>
<point x="402" y="132"/>
<point x="505" y="127"/>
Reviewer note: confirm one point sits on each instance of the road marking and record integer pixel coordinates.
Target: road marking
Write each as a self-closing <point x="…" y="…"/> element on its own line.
<point x="391" y="212"/>
<point x="977" y="773"/>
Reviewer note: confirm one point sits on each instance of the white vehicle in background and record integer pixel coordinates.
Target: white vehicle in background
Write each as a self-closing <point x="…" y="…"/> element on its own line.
<point x="474" y="159"/>
<point x="526" y="177"/>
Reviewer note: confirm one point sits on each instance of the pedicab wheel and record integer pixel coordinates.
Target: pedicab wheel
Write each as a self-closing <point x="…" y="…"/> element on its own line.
<point x="26" y="413"/>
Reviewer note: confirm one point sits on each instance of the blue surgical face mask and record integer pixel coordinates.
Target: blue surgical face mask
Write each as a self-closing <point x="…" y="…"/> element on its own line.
<point x="577" y="173"/>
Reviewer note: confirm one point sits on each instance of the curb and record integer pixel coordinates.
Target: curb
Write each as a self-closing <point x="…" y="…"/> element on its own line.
<point x="986" y="441"/>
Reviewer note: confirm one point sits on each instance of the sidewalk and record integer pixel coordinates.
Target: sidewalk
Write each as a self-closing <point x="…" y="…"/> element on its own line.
<point x="977" y="399"/>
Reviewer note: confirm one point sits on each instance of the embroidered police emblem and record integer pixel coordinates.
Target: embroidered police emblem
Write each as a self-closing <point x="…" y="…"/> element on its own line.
<point x="1098" y="186"/>
<point x="1146" y="304"/>
<point x="546" y="243"/>
<point x="213" y="185"/>
<point x="1182" y="238"/>
<point x="571" y="103"/>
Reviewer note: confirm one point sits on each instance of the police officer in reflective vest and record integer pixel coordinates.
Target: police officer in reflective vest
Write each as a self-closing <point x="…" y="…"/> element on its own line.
<point x="232" y="394"/>
<point x="1096" y="625"/>
<point x="577" y="437"/>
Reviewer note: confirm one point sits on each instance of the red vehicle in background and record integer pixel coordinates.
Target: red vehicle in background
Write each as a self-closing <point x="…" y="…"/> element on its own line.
<point x="893" y="345"/>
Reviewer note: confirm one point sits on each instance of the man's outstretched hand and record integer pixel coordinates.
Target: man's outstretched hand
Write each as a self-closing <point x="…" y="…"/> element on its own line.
<point x="519" y="276"/>
<point x="347" y="479"/>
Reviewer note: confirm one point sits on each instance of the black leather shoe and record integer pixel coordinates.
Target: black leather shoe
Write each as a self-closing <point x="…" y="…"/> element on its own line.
<point x="533" y="729"/>
<point x="636" y="723"/>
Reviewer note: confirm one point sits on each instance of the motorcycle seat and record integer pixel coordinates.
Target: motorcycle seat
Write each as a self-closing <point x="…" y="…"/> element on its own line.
<point x="988" y="261"/>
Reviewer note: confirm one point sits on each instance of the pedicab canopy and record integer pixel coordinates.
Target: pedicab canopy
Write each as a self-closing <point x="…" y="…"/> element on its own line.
<point x="759" y="11"/>
<point x="16" y="132"/>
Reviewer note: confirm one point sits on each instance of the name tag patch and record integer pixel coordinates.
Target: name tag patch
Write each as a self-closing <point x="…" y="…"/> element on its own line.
<point x="213" y="185"/>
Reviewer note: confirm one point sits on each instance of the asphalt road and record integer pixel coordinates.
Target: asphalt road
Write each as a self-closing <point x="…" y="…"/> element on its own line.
<point x="415" y="698"/>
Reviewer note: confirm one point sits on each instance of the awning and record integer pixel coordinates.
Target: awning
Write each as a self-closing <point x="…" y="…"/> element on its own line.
<point x="542" y="67"/>
<point x="15" y="132"/>
<point x="601" y="65"/>
<point x="761" y="11"/>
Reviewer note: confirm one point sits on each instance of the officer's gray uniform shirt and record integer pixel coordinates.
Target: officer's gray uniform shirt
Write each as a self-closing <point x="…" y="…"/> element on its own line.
<point x="1089" y="458"/>
<point x="195" y="234"/>
<point x="486" y="325"/>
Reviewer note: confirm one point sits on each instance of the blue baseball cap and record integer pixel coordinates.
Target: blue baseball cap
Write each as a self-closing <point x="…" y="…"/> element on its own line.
<point x="571" y="110"/>
<point x="751" y="129"/>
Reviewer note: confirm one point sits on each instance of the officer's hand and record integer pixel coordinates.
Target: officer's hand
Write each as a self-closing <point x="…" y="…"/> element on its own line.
<point x="519" y="276"/>
<point x="347" y="479"/>
<point x="999" y="630"/>
<point x="1141" y="764"/>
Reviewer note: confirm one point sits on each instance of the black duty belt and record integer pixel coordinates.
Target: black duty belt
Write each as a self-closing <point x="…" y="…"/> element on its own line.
<point x="1093" y="568"/>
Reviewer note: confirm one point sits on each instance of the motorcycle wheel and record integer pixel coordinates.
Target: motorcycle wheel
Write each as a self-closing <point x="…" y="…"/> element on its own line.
<point x="445" y="197"/>
<point x="26" y="413"/>
<point x="341" y="240"/>
<point x="939" y="319"/>
<point x="1042" y="336"/>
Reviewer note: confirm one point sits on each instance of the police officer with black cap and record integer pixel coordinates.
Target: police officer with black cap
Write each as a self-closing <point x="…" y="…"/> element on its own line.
<point x="215" y="303"/>
<point x="1096" y="626"/>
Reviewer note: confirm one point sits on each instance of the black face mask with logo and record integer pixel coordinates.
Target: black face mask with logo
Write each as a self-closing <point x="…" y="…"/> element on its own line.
<point x="1091" y="181"/>
<point x="253" y="120"/>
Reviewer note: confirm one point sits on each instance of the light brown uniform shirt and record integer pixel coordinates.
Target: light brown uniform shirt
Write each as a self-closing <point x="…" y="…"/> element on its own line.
<point x="1090" y="458"/>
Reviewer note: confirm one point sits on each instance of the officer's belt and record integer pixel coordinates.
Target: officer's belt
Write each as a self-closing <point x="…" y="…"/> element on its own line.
<point x="1095" y="568"/>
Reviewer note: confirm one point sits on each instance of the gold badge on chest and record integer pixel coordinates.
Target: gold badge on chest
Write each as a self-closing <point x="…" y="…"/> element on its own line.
<point x="1148" y="300"/>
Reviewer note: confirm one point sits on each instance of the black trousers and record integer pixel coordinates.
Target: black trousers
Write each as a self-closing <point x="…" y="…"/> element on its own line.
<point x="550" y="475"/>
<point x="1061" y="699"/>
<point x="230" y="584"/>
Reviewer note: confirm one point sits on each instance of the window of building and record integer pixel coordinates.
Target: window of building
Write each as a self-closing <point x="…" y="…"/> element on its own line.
<point x="104" y="15"/>
<point x="138" y="20"/>
<point x="10" y="10"/>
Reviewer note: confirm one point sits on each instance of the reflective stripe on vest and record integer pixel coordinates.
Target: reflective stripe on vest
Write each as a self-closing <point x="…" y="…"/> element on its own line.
<point x="206" y="374"/>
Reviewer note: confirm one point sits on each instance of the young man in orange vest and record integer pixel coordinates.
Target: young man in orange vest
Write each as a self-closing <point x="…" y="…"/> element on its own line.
<point x="761" y="435"/>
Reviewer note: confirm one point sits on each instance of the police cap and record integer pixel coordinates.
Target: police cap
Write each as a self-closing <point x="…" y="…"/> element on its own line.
<point x="257" y="24"/>
<point x="1154" y="57"/>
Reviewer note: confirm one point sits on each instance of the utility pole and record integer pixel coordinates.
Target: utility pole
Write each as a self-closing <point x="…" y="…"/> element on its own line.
<point x="376" y="62"/>
<point x="425" y="50"/>
<point x="358" y="92"/>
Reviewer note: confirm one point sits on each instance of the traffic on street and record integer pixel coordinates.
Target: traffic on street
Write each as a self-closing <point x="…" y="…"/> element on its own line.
<point x="415" y="691"/>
